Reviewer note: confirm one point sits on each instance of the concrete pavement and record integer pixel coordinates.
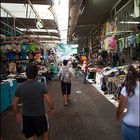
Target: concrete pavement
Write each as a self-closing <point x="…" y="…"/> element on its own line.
<point x="89" y="116"/>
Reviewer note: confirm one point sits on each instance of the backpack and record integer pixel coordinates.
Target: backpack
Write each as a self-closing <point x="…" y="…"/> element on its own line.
<point x="66" y="75"/>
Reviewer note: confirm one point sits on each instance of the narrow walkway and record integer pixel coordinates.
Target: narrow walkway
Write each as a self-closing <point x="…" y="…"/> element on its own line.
<point x="89" y="116"/>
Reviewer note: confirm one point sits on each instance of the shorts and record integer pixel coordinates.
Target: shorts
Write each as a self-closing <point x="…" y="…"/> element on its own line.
<point x="66" y="88"/>
<point x="34" y="126"/>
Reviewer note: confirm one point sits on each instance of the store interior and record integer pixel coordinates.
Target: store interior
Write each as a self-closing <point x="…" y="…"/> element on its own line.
<point x="106" y="34"/>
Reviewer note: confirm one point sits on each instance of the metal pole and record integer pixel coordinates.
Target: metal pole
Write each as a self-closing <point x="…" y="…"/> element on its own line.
<point x="38" y="17"/>
<point x="4" y="9"/>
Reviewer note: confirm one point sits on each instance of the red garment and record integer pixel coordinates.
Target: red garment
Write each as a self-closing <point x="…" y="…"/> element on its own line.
<point x="86" y="67"/>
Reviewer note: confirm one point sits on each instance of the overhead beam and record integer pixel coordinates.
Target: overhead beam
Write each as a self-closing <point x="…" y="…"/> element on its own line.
<point x="45" y="2"/>
<point x="38" y="17"/>
<point x="73" y="17"/>
<point x="29" y="23"/>
<point x="47" y="39"/>
<point x="42" y="33"/>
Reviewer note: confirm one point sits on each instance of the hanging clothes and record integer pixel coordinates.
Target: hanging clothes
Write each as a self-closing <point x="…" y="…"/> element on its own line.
<point x="121" y="44"/>
<point x="10" y="55"/>
<point x="32" y="47"/>
<point x="24" y="46"/>
<point x="132" y="40"/>
<point x="106" y="42"/>
<point x="113" y="42"/>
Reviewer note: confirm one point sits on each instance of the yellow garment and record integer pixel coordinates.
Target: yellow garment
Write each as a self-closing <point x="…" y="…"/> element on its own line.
<point x="106" y="41"/>
<point x="12" y="67"/>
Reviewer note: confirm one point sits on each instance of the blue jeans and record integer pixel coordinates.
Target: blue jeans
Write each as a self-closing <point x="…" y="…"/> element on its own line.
<point x="130" y="132"/>
<point x="85" y="76"/>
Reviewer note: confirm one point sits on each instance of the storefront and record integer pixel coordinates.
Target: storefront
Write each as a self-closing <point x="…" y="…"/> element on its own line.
<point x="112" y="46"/>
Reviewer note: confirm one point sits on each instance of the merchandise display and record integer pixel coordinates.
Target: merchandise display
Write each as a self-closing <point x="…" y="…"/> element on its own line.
<point x="88" y="48"/>
<point x="8" y="88"/>
<point x="14" y="60"/>
<point x="108" y="79"/>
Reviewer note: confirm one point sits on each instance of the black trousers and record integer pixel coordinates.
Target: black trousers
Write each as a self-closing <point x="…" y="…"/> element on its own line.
<point x="66" y="88"/>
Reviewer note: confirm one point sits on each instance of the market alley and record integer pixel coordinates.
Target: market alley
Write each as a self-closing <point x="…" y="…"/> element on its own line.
<point x="89" y="116"/>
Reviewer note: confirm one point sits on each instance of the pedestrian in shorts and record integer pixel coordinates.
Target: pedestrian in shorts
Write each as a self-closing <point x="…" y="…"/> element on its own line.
<point x="32" y="94"/>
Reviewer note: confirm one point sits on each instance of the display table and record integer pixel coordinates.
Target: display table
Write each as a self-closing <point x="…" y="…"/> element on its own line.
<point x="114" y="85"/>
<point x="7" y="93"/>
<point x="21" y="77"/>
<point x="92" y="73"/>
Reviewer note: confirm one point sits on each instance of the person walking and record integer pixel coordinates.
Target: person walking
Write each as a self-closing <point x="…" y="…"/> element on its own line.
<point x="65" y="76"/>
<point x="32" y="94"/>
<point x="85" y="70"/>
<point x="130" y="97"/>
<point x="75" y="68"/>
